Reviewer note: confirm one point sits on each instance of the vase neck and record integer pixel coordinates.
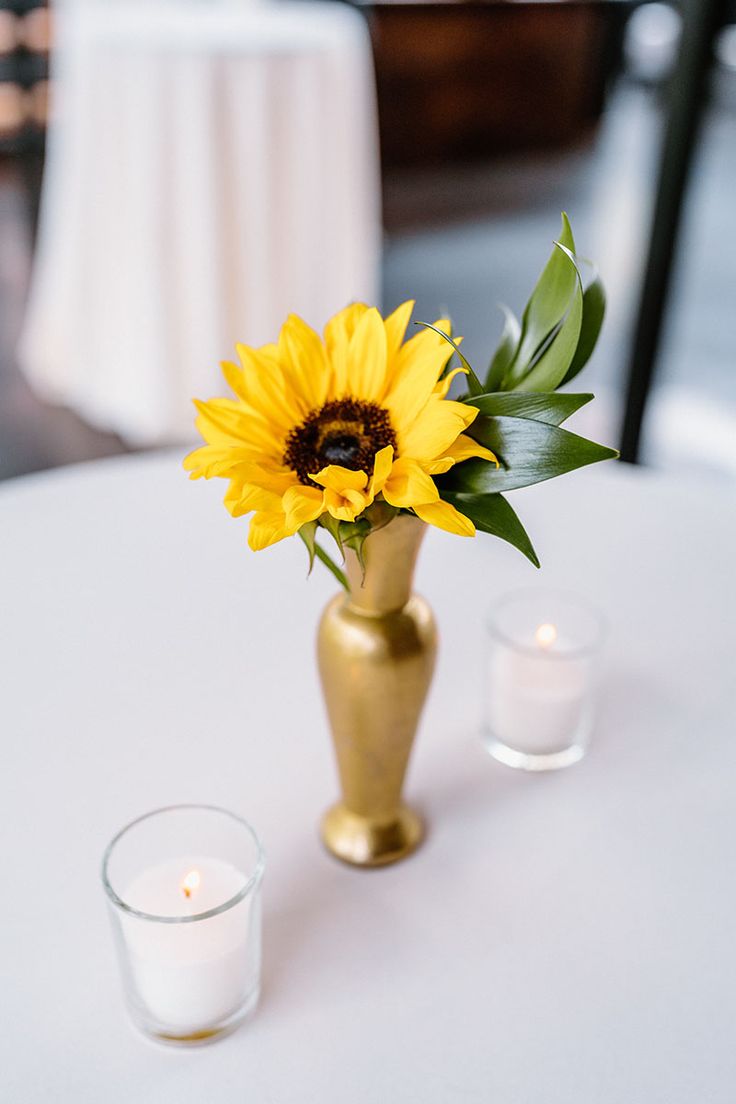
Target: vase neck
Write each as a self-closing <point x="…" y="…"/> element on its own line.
<point x="390" y="556"/>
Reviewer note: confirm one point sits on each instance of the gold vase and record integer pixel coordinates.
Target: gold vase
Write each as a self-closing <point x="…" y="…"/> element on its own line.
<point x="376" y="648"/>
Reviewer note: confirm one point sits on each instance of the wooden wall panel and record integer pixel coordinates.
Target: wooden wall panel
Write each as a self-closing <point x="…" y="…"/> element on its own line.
<point x="470" y="79"/>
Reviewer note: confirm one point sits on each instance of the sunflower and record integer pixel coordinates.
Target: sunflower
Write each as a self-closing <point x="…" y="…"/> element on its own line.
<point x="328" y="427"/>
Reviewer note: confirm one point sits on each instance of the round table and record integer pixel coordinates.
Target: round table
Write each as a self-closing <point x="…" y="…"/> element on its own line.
<point x="559" y="938"/>
<point x="211" y="167"/>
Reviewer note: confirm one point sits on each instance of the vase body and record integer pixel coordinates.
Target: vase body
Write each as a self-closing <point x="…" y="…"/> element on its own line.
<point x="376" y="649"/>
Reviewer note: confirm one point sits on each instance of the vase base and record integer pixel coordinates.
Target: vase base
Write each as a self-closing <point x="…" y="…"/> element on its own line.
<point x="366" y="841"/>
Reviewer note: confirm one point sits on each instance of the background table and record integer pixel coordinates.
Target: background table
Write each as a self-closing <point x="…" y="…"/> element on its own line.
<point x="558" y="939"/>
<point x="211" y="167"/>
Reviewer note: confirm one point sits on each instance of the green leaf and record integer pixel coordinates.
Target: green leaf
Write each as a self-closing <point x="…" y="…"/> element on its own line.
<point x="529" y="452"/>
<point x="332" y="525"/>
<point x="379" y="514"/>
<point x="451" y="352"/>
<point x="548" y="304"/>
<point x="492" y="514"/>
<point x="550" y="366"/>
<point x="308" y="533"/>
<point x="553" y="407"/>
<point x="504" y="354"/>
<point x="594" y="309"/>
<point x="353" y="535"/>
<point x="474" y="385"/>
<point x="349" y="530"/>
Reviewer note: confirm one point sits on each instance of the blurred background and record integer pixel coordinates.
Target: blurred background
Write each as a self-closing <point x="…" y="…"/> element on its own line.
<point x="178" y="174"/>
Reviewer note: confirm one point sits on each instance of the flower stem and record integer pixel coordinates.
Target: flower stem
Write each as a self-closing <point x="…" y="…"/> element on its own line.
<point x="331" y="566"/>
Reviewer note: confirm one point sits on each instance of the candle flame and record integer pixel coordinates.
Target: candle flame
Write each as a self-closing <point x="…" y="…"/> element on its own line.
<point x="190" y="883"/>
<point x="546" y="635"/>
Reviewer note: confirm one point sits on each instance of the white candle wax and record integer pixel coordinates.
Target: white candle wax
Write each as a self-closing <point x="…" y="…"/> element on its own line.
<point x="192" y="975"/>
<point x="537" y="699"/>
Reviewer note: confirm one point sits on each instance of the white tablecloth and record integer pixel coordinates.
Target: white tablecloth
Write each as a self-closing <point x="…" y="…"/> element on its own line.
<point x="559" y="939"/>
<point x="211" y="167"/>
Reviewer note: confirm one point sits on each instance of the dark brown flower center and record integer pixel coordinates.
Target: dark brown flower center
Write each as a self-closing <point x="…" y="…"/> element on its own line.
<point x="345" y="432"/>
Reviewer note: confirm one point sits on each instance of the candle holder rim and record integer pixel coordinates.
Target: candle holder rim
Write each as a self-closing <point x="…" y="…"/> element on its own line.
<point x="597" y="616"/>
<point x="251" y="883"/>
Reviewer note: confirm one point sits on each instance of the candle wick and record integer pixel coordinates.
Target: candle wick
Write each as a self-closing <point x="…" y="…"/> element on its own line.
<point x="187" y="891"/>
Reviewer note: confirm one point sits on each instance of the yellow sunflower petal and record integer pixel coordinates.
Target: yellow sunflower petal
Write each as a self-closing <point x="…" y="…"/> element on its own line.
<point x="212" y="461"/>
<point x="269" y="352"/>
<point x="425" y="340"/>
<point x="338" y="332"/>
<point x="260" y="383"/>
<point x="346" y="505"/>
<point x="221" y="421"/>
<point x="382" y="465"/>
<point x="438" y="467"/>
<point x="344" y="323"/>
<point x="226" y="422"/>
<point x="408" y="484"/>
<point x="396" y="324"/>
<point x="346" y="491"/>
<point x="465" y="448"/>
<point x="234" y="378"/>
<point x="243" y="498"/>
<point x="266" y="529"/>
<point x="337" y="478"/>
<point x="302" y="504"/>
<point x="443" y="386"/>
<point x="437" y="426"/>
<point x="444" y="516"/>
<point x="306" y="368"/>
<point x="419" y="364"/>
<point x="367" y="358"/>
<point x="269" y="477"/>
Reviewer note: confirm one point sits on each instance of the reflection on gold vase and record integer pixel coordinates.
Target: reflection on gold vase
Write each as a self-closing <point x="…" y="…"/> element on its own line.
<point x="376" y="650"/>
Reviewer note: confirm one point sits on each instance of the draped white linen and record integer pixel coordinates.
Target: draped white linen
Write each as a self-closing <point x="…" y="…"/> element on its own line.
<point x="565" y="939"/>
<point x="210" y="168"/>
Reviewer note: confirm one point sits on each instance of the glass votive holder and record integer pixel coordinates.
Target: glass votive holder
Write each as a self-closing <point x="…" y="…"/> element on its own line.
<point x="542" y="660"/>
<point x="183" y="886"/>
